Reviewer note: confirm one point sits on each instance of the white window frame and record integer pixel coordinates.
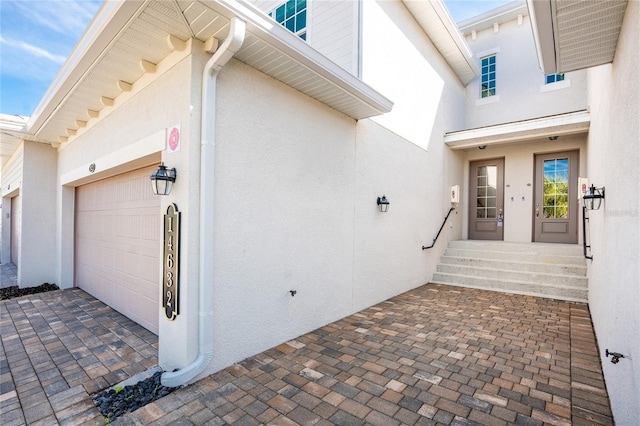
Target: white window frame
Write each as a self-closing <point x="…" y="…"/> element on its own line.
<point x="302" y="33"/>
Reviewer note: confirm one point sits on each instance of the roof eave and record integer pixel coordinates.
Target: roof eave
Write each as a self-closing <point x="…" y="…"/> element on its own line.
<point x="445" y="36"/>
<point x="108" y="22"/>
<point x="543" y="34"/>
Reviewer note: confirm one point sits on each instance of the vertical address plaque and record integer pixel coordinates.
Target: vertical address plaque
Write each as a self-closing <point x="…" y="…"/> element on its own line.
<point x="171" y="257"/>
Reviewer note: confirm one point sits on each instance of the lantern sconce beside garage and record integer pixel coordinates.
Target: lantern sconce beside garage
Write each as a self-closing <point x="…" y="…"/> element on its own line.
<point x="593" y="198"/>
<point x="162" y="180"/>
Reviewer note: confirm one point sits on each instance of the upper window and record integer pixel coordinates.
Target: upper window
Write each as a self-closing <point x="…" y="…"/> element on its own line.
<point x="293" y="16"/>
<point x="552" y="78"/>
<point x="488" y="87"/>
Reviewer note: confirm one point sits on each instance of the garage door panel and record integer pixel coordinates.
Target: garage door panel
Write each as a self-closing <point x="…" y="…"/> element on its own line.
<point x="118" y="231"/>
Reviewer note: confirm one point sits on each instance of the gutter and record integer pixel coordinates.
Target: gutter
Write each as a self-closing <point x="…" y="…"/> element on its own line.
<point x="225" y="52"/>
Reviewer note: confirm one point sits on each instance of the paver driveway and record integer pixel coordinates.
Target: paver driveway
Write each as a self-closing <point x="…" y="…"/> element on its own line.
<point x="57" y="349"/>
<point x="434" y="355"/>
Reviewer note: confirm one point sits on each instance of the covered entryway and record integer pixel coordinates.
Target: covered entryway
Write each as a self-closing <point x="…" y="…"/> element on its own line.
<point x="486" y="192"/>
<point x="117" y="244"/>
<point x="556" y="207"/>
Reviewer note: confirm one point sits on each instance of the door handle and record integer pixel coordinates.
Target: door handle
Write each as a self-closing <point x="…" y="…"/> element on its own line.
<point x="537" y="211"/>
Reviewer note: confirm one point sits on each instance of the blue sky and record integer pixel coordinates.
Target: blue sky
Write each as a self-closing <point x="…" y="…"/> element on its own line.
<point x="36" y="36"/>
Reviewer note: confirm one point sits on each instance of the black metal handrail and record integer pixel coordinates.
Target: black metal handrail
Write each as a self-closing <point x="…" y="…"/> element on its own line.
<point x="585" y="218"/>
<point x="439" y="230"/>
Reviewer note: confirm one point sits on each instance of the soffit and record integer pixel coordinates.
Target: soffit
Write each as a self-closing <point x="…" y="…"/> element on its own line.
<point x="520" y="131"/>
<point x="127" y="32"/>
<point x="11" y="135"/>
<point x="572" y="35"/>
<point x="437" y="23"/>
<point x="114" y="57"/>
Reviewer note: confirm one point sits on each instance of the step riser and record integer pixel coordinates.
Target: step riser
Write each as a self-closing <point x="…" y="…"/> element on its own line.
<point x="533" y="248"/>
<point x="556" y="271"/>
<point x="527" y="288"/>
<point x="565" y="280"/>
<point x="514" y="266"/>
<point x="516" y="257"/>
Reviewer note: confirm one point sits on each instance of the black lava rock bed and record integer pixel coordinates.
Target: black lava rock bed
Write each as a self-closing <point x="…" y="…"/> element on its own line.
<point x="113" y="403"/>
<point x="15" y="291"/>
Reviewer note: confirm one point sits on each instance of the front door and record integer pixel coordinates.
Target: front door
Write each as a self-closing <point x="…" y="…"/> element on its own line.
<point x="556" y="205"/>
<point x="486" y="193"/>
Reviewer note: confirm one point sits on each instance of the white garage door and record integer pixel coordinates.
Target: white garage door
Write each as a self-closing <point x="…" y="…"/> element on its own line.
<point x="117" y="244"/>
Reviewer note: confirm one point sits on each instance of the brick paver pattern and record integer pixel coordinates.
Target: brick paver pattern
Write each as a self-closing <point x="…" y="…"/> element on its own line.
<point x="434" y="355"/>
<point x="60" y="347"/>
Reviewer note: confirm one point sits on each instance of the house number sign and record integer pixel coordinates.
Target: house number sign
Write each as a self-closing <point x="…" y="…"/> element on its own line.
<point x="171" y="260"/>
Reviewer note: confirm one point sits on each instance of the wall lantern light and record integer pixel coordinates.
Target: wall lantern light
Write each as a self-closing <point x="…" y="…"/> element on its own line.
<point x="383" y="204"/>
<point x="162" y="180"/>
<point x="593" y="198"/>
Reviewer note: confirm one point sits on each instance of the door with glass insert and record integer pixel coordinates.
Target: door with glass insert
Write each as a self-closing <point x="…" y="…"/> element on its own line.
<point x="555" y="212"/>
<point x="486" y="193"/>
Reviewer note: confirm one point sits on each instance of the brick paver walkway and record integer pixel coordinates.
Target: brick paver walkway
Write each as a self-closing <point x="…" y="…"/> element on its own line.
<point x="60" y="347"/>
<point x="8" y="275"/>
<point x="434" y="355"/>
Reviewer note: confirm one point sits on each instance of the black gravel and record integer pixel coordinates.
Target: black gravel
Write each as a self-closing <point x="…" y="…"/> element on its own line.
<point x="15" y="291"/>
<point x="114" y="403"/>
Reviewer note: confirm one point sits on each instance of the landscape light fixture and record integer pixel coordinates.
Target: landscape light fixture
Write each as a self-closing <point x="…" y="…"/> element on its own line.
<point x="162" y="180"/>
<point x="383" y="204"/>
<point x="593" y="198"/>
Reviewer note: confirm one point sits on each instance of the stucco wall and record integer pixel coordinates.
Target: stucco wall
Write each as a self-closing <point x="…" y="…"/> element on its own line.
<point x="520" y="89"/>
<point x="296" y="189"/>
<point x="399" y="60"/>
<point x="519" y="181"/>
<point x="614" y="162"/>
<point x="37" y="241"/>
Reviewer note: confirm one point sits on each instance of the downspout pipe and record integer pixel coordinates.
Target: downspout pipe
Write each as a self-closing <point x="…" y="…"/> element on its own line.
<point x="219" y="59"/>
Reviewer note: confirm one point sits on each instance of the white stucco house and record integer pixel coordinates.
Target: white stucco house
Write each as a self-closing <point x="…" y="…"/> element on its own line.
<point x="285" y="122"/>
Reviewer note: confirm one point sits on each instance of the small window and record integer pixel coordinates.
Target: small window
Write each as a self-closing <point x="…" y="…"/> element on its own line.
<point x="293" y="16"/>
<point x="488" y="85"/>
<point x="552" y="78"/>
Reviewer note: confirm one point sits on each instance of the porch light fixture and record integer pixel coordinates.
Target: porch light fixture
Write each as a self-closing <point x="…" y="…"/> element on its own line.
<point x="593" y="198"/>
<point x="383" y="204"/>
<point x="162" y="180"/>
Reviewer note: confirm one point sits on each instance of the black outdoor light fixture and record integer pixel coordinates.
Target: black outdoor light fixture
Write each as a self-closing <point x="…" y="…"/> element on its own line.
<point x="593" y="198"/>
<point x="383" y="204"/>
<point x="162" y="180"/>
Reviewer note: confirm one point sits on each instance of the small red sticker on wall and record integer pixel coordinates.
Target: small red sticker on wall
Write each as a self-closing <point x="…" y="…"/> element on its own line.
<point x="173" y="139"/>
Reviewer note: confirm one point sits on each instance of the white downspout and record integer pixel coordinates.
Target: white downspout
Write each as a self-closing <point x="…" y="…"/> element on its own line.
<point x="225" y="52"/>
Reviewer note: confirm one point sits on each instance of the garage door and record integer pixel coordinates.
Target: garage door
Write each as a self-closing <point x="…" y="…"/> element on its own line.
<point x="117" y="244"/>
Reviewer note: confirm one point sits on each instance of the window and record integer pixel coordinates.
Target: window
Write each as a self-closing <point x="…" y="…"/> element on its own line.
<point x="488" y="87"/>
<point x="552" y="78"/>
<point x="293" y="16"/>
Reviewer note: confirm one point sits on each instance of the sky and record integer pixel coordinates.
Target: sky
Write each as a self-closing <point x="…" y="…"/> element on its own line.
<point x="36" y="36"/>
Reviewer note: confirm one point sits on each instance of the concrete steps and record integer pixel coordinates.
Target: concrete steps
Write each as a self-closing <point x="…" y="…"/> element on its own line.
<point x="556" y="271"/>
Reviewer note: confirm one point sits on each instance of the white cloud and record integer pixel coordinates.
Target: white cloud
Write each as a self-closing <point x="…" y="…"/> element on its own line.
<point x="61" y="16"/>
<point x="33" y="50"/>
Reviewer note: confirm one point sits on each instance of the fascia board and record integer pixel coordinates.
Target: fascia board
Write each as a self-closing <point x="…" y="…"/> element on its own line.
<point x="280" y="38"/>
<point x="540" y="13"/>
<point x="457" y="38"/>
<point x="108" y="22"/>
<point x="563" y="124"/>
<point x="446" y="37"/>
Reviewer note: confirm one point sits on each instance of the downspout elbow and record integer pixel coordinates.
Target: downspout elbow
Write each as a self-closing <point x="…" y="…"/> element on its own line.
<point x="219" y="59"/>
